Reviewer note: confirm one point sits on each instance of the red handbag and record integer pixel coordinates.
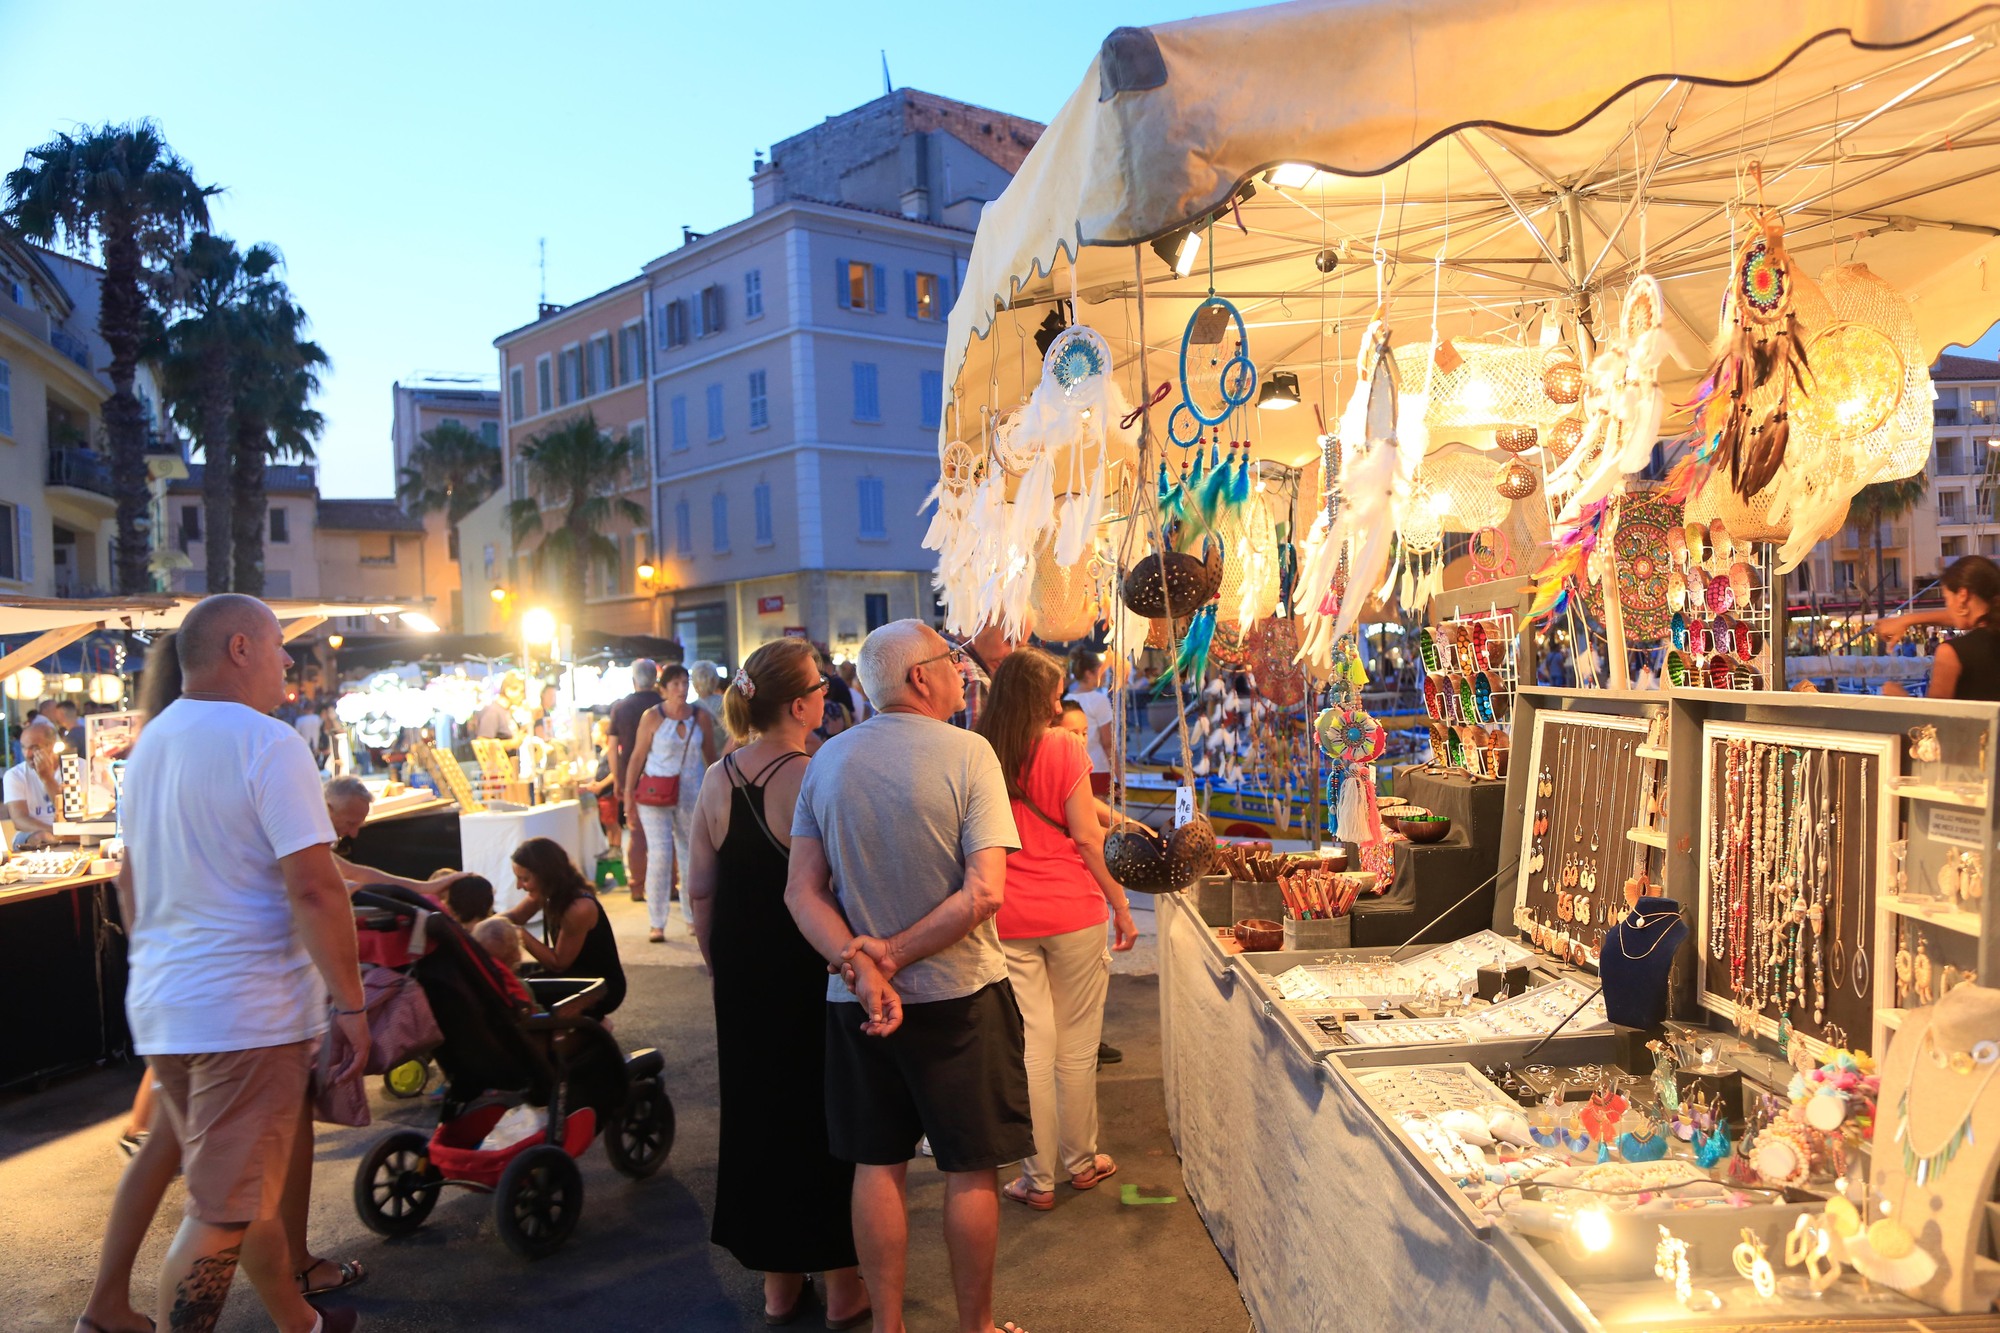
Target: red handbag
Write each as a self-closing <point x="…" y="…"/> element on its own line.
<point x="666" y="789"/>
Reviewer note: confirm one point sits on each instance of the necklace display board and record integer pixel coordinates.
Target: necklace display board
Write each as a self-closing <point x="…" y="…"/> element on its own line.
<point x="1794" y="836"/>
<point x="1585" y="783"/>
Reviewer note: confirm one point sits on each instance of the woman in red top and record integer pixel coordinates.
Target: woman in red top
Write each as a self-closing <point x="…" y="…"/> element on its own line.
<point x="1052" y="920"/>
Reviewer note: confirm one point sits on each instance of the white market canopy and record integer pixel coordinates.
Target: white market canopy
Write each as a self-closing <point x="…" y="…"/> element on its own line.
<point x="1507" y="165"/>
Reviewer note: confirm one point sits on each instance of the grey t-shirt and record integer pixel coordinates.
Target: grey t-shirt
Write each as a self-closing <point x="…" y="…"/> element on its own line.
<point x="899" y="803"/>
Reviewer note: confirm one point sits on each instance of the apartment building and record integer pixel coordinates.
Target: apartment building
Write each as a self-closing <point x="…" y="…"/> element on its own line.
<point x="291" y="556"/>
<point x="58" y="511"/>
<point x="419" y="404"/>
<point x="587" y="357"/>
<point x="797" y="376"/>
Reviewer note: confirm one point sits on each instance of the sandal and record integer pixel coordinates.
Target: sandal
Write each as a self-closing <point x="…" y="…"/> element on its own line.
<point x="804" y="1302"/>
<point x="1020" y="1191"/>
<point x="859" y="1319"/>
<point x="656" y="937"/>
<point x="350" y="1270"/>
<point x="93" y="1326"/>
<point x="1101" y="1167"/>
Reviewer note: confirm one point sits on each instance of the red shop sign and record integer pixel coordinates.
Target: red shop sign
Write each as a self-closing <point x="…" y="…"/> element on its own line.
<point x="770" y="606"/>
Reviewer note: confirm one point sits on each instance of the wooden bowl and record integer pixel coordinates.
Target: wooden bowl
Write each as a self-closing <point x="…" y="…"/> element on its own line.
<point x="1179" y="585"/>
<point x="1425" y="828"/>
<point x="1256" y="935"/>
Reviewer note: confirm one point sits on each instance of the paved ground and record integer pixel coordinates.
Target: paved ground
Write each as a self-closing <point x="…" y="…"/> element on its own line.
<point x="640" y="1258"/>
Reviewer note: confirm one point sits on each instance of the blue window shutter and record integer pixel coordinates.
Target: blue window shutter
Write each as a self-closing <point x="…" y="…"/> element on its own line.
<point x="910" y="292"/>
<point x="840" y="288"/>
<point x="27" y="535"/>
<point x="881" y="289"/>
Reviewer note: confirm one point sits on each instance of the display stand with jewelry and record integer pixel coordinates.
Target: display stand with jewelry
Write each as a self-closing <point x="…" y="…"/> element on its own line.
<point x="1573" y="878"/>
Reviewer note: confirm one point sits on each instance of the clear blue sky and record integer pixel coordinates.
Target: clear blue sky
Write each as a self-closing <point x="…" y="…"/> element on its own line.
<point x="405" y="157"/>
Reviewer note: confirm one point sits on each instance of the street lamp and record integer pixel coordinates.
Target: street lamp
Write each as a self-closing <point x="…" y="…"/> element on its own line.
<point x="334" y="641"/>
<point x="538" y="626"/>
<point x="498" y="594"/>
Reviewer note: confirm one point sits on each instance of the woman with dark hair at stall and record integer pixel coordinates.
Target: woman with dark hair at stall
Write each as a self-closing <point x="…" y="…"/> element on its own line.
<point x="577" y="934"/>
<point x="782" y="1202"/>
<point x="1968" y="666"/>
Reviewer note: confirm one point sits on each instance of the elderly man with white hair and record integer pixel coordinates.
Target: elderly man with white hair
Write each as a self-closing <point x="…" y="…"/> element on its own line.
<point x="898" y="863"/>
<point x="33" y="787"/>
<point x="348" y="801"/>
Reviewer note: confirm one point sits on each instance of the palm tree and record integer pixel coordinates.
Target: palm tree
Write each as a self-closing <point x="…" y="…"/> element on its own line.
<point x="276" y="377"/>
<point x="1876" y="504"/>
<point x="451" y="472"/>
<point x="123" y="187"/>
<point x="212" y="282"/>
<point x="576" y="469"/>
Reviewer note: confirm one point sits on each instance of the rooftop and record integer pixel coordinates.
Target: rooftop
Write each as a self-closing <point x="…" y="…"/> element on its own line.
<point x="1000" y="138"/>
<point x="280" y="479"/>
<point x="1951" y="368"/>
<point x="367" y="516"/>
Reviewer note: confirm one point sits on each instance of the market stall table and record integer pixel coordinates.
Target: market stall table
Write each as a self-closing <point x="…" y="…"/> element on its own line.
<point x="488" y="840"/>
<point x="62" y="976"/>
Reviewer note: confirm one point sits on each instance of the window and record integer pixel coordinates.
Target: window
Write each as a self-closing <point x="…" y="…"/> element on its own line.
<point x="1989" y="543"/>
<point x="709" y="311"/>
<point x="1944" y="411"/>
<point x="714" y="413"/>
<point x="683" y="529"/>
<point x="598" y="377"/>
<point x="378" y="548"/>
<point x="488" y="564"/>
<point x="1950" y="456"/>
<point x="867" y="399"/>
<point x="519" y="471"/>
<point x="760" y="407"/>
<point x="1951" y="548"/>
<point x="1843" y="574"/>
<point x="10" y="545"/>
<point x="489" y="434"/>
<point x="923" y="295"/>
<point x="760" y="500"/>
<point x="674" y="324"/>
<point x="642" y="462"/>
<point x="874" y="526"/>
<point x="718" y="510"/>
<point x="544" y="400"/>
<point x="1980" y="403"/>
<point x="930" y="397"/>
<point x="1951" y="506"/>
<point x="6" y="398"/>
<point x="570" y="381"/>
<point x="860" y="285"/>
<point x="753" y="294"/>
<point x="631" y="353"/>
<point x="1892" y="571"/>
<point x="190" y="525"/>
<point x="677" y="412"/>
<point x="281" y="527"/>
<point x="876" y="608"/>
<point x="517" y="394"/>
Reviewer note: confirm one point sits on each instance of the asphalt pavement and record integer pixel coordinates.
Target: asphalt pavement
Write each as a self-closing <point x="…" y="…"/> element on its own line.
<point x="1131" y="1254"/>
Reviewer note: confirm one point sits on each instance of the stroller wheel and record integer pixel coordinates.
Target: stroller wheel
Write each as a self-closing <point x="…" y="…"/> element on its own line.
<point x="396" y="1186"/>
<point x="538" y="1201"/>
<point x="407" y="1079"/>
<point x="642" y="1134"/>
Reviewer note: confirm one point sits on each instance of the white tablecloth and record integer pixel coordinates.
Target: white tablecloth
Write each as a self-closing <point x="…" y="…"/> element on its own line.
<point x="487" y="841"/>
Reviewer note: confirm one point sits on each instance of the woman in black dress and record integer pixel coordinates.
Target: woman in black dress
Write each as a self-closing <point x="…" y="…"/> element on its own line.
<point x="579" y="943"/>
<point x="781" y="1200"/>
<point x="1968" y="666"/>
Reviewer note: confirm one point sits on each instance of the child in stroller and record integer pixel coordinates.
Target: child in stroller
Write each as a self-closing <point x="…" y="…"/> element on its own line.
<point x="496" y="1055"/>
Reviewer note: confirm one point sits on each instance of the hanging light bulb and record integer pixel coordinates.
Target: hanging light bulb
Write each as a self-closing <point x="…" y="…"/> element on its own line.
<point x="1517" y="439"/>
<point x="1516" y="480"/>
<point x="1562" y="378"/>
<point x="1565" y="436"/>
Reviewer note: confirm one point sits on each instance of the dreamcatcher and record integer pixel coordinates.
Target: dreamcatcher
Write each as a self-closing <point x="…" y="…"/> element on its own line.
<point x="1353" y="740"/>
<point x="1764" y="347"/>
<point x="1422" y="546"/>
<point x="1490" y="556"/>
<point x="962" y="490"/>
<point x="1639" y="545"/>
<point x="1623" y="404"/>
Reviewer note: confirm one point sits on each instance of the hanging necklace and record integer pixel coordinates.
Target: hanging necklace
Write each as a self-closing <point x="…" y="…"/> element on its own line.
<point x="1833" y="825"/>
<point x="1643" y="923"/>
<point x="1925" y="1167"/>
<point x="1863" y="914"/>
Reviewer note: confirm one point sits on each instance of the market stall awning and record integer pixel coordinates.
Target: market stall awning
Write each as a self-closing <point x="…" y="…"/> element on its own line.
<point x="1496" y="160"/>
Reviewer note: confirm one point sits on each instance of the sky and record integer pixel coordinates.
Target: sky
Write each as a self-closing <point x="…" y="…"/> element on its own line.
<point x="405" y="158"/>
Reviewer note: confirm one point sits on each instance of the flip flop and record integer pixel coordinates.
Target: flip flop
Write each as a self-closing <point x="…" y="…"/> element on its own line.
<point x="350" y="1270"/>
<point x="799" y="1306"/>
<point x="1020" y="1191"/>
<point x="96" y="1327"/>
<point x="860" y="1318"/>
<point x="1101" y="1168"/>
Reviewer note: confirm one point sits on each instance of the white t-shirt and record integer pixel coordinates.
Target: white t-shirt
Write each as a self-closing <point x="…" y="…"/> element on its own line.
<point x="215" y="795"/>
<point x="22" y="783"/>
<point x="308" y="726"/>
<point x="1096" y="707"/>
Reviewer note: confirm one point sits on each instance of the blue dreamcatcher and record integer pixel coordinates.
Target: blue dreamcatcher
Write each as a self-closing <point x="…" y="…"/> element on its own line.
<point x="1214" y="380"/>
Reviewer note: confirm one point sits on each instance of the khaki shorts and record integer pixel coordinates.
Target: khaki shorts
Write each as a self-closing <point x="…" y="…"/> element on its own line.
<point x="236" y="1115"/>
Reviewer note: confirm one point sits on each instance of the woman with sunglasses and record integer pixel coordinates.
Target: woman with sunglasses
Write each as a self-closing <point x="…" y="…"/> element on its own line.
<point x="781" y="1200"/>
<point x="1052" y="921"/>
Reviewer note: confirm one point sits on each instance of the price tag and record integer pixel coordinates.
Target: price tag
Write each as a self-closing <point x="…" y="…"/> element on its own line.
<point x="1960" y="828"/>
<point x="1183" y="805"/>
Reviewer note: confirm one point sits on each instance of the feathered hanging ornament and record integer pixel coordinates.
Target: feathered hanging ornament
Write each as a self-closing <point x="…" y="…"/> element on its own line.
<point x="1623" y="405"/>
<point x="1192" y="659"/>
<point x="1362" y="527"/>
<point x="1569" y="558"/>
<point x="1762" y="347"/>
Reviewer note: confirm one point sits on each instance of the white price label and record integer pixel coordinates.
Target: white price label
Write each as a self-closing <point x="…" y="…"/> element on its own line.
<point x="1960" y="828"/>
<point x="1183" y="805"/>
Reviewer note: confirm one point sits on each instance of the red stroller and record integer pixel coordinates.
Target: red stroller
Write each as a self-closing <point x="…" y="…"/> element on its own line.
<point x="496" y="1056"/>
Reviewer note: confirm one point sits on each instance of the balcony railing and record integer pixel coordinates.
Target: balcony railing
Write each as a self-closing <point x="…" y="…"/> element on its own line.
<point x="71" y="346"/>
<point x="81" y="469"/>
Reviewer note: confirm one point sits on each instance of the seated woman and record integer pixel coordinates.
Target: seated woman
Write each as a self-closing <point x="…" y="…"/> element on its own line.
<point x="577" y="939"/>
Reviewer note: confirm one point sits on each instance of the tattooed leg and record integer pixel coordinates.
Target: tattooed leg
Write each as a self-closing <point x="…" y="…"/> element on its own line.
<point x="203" y="1286"/>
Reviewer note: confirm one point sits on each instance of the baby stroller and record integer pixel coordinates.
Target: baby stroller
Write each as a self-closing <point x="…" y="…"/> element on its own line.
<point x="495" y="1057"/>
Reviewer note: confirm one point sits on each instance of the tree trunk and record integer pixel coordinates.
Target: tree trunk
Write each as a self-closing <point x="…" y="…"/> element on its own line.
<point x="120" y="322"/>
<point x="579" y="573"/>
<point x="249" y="505"/>
<point x="1881" y="607"/>
<point x="218" y="539"/>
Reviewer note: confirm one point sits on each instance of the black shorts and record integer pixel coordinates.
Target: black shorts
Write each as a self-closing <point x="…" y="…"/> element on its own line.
<point x="952" y="1071"/>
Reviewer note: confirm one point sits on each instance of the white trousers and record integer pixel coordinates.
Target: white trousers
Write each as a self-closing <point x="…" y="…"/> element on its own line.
<point x="1060" y="982"/>
<point x="667" y="828"/>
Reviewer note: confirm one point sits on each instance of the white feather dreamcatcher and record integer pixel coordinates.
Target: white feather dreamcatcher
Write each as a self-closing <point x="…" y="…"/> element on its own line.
<point x="1370" y="463"/>
<point x="1623" y="405"/>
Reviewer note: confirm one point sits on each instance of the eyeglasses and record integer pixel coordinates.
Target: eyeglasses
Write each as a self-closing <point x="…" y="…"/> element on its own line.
<point x="825" y="683"/>
<point x="956" y="652"/>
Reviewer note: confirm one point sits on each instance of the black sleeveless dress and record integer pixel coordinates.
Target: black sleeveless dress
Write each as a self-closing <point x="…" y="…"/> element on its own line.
<point x="781" y="1200"/>
<point x="598" y="958"/>
<point x="1978" y="652"/>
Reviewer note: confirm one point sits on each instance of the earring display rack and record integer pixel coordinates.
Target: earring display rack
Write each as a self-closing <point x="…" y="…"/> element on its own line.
<point x="1470" y="674"/>
<point x="1719" y="632"/>
<point x="1585" y="782"/>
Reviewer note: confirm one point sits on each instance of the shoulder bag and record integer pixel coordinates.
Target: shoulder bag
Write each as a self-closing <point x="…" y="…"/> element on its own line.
<point x="665" y="789"/>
